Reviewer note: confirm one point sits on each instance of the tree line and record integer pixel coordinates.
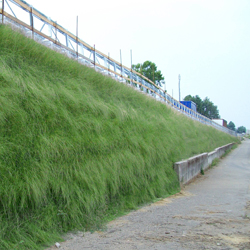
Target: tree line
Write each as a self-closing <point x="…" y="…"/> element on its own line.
<point x="239" y="130"/>
<point x="205" y="107"/>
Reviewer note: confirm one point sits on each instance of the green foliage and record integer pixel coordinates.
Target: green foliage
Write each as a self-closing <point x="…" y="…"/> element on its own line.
<point x="149" y="70"/>
<point x="202" y="171"/>
<point x="78" y="147"/>
<point x="231" y="126"/>
<point x="241" y="130"/>
<point x="204" y="107"/>
<point x="210" y="110"/>
<point x="215" y="162"/>
<point x="229" y="150"/>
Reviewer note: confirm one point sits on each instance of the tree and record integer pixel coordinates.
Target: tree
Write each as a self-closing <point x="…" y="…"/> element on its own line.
<point x="204" y="107"/>
<point x="149" y="70"/>
<point x="231" y="126"/>
<point x="210" y="110"/>
<point x="241" y="130"/>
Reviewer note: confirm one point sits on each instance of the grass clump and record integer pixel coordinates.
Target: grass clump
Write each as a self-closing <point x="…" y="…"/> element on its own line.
<point x="229" y="150"/>
<point x="202" y="171"/>
<point x="78" y="147"/>
<point x="215" y="162"/>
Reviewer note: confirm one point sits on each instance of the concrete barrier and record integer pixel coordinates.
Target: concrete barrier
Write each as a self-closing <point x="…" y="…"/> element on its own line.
<point x="211" y="156"/>
<point x="190" y="168"/>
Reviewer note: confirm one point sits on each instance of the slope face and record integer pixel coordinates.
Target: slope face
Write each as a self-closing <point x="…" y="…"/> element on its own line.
<point x="78" y="147"/>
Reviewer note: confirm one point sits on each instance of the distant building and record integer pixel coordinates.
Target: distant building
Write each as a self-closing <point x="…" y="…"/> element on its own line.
<point x="189" y="104"/>
<point x="221" y="122"/>
<point x="248" y="131"/>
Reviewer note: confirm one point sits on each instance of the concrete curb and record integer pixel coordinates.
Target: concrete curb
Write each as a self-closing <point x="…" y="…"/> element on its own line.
<point x="190" y="168"/>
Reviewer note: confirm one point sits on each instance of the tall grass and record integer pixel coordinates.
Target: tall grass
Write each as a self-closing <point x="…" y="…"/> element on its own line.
<point x="77" y="147"/>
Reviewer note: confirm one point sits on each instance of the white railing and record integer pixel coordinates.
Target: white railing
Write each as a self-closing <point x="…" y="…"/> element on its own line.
<point x="42" y="29"/>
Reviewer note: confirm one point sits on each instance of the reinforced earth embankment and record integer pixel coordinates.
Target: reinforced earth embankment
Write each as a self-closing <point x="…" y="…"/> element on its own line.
<point x="78" y="148"/>
<point x="190" y="168"/>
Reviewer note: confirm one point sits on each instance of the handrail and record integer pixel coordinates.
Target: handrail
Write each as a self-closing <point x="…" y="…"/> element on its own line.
<point x="71" y="43"/>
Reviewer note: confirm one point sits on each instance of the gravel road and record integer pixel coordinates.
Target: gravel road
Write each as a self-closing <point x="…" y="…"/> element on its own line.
<point x="213" y="212"/>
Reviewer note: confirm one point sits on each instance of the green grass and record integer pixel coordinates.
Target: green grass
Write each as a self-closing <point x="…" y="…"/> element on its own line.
<point x="229" y="150"/>
<point x="215" y="162"/>
<point x="78" y="147"/>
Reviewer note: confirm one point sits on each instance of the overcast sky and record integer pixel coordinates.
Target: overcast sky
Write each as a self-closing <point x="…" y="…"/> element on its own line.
<point x="207" y="42"/>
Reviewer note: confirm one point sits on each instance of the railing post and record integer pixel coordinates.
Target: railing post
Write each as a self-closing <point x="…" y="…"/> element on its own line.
<point x="67" y="40"/>
<point x="121" y="62"/>
<point x="108" y="63"/>
<point x="77" y="37"/>
<point x="55" y="25"/>
<point x="131" y="80"/>
<point x="32" y="22"/>
<point x="115" y="69"/>
<point x="131" y="74"/>
<point x="2" y="11"/>
<point x="94" y="55"/>
<point x="82" y="50"/>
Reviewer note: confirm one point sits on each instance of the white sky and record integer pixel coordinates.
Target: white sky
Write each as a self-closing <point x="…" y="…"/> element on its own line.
<point x="207" y="42"/>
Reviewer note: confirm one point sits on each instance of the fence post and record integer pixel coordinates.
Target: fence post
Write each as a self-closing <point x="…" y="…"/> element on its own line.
<point x="121" y="62"/>
<point x="108" y="64"/>
<point x="32" y="22"/>
<point x="94" y="55"/>
<point x="131" y="80"/>
<point x="67" y="40"/>
<point x="115" y="69"/>
<point x="77" y="37"/>
<point x="55" y="25"/>
<point x="2" y="11"/>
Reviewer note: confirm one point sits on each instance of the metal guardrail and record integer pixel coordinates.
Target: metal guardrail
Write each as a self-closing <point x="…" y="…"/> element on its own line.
<point x="42" y="29"/>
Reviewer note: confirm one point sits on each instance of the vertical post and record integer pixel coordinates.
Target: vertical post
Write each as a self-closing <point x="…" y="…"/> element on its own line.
<point x="153" y="73"/>
<point x="94" y="55"/>
<point x="2" y="11"/>
<point x="77" y="37"/>
<point x="141" y="74"/>
<point x="131" y="80"/>
<point x="82" y="51"/>
<point x="108" y="63"/>
<point x="121" y="61"/>
<point x="179" y="87"/>
<point x="32" y="22"/>
<point x="55" y="25"/>
<point x="67" y="40"/>
<point x="115" y="69"/>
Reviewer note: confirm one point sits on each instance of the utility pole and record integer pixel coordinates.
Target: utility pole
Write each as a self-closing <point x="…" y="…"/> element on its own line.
<point x="179" y="87"/>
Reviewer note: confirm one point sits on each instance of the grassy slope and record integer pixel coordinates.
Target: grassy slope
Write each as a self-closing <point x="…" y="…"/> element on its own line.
<point x="77" y="146"/>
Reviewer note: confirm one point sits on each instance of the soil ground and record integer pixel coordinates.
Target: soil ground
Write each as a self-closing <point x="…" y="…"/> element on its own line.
<point x="212" y="212"/>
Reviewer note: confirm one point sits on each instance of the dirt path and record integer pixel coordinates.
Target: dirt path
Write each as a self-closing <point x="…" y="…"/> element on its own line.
<point x="213" y="212"/>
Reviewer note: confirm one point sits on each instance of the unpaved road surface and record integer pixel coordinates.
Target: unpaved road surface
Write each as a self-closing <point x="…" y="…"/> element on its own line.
<point x="213" y="212"/>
